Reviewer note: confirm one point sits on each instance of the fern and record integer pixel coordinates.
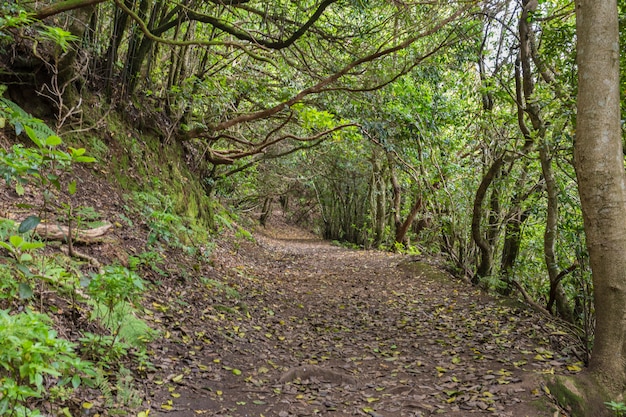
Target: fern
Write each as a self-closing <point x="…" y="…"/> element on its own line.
<point x="19" y="118"/>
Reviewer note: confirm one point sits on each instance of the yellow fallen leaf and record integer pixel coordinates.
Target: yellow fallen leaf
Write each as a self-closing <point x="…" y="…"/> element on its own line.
<point x="372" y="399"/>
<point x="178" y="378"/>
<point x="87" y="405"/>
<point x="574" y="368"/>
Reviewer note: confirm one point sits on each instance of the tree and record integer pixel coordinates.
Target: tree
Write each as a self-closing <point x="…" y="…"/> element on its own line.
<point x="602" y="182"/>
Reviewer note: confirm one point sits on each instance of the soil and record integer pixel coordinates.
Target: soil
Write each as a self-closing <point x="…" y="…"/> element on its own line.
<point x="301" y="328"/>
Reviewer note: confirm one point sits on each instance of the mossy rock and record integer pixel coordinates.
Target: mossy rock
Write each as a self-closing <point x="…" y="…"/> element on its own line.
<point x="580" y="395"/>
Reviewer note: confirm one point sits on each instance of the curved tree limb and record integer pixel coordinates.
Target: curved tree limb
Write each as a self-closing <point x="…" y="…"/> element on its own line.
<point x="64" y="6"/>
<point x="321" y="85"/>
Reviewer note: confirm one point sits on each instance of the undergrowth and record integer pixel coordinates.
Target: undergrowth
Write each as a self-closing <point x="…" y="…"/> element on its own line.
<point x="41" y="371"/>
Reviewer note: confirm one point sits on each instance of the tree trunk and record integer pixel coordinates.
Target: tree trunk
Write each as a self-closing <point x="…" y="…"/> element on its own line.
<point x="131" y="69"/>
<point x="378" y="198"/>
<point x="120" y="21"/>
<point x="557" y="293"/>
<point x="267" y="210"/>
<point x="402" y="230"/>
<point x="528" y="102"/>
<point x="486" y="251"/>
<point x="602" y="182"/>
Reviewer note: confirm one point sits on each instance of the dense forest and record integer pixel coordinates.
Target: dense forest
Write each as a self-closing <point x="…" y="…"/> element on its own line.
<point x="486" y="134"/>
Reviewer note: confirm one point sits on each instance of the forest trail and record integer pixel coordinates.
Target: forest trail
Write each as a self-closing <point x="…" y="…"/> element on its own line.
<point x="300" y="328"/>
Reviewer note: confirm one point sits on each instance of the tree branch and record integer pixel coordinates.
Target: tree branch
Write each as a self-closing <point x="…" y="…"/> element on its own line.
<point x="321" y="85"/>
<point x="64" y="6"/>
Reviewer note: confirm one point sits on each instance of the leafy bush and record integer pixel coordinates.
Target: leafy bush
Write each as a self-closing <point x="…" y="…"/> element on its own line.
<point x="116" y="284"/>
<point x="619" y="408"/>
<point x="32" y="360"/>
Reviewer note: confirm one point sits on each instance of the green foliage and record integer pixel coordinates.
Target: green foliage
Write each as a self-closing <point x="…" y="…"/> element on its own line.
<point x="115" y="285"/>
<point x="619" y="408"/>
<point x="32" y="360"/>
<point x="17" y="165"/>
<point x="59" y="36"/>
<point x="104" y="348"/>
<point x="12" y="16"/>
<point x="150" y="259"/>
<point x="19" y="119"/>
<point x="21" y="249"/>
<point x="220" y="287"/>
<point x="42" y="162"/>
<point x="167" y="227"/>
<point x="242" y="233"/>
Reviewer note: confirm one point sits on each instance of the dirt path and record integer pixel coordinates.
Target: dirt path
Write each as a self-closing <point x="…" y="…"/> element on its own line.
<point x="304" y="328"/>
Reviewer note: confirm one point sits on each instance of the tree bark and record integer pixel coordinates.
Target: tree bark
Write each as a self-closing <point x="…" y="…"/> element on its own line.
<point x="402" y="230"/>
<point x="57" y="232"/>
<point x="602" y="182"/>
<point x="486" y="251"/>
<point x="557" y="293"/>
<point x="64" y="6"/>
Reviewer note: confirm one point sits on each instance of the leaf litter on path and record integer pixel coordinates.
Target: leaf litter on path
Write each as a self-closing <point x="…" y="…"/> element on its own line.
<point x="292" y="326"/>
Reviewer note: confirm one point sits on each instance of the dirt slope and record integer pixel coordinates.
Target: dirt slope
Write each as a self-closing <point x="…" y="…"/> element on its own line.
<point x="292" y="326"/>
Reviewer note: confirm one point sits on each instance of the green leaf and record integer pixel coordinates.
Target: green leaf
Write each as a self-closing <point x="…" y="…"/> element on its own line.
<point x="19" y="128"/>
<point x="16" y="241"/>
<point x="84" y="159"/>
<point x="25" y="291"/>
<point x="71" y="187"/>
<point x="24" y="270"/>
<point x="32" y="245"/>
<point x="77" y="152"/>
<point x="53" y="141"/>
<point x="7" y="247"/>
<point x="19" y="189"/>
<point x="28" y="224"/>
<point x="26" y="257"/>
<point x="32" y="135"/>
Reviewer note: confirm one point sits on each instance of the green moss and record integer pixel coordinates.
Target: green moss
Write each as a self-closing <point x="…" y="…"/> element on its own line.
<point x="568" y="395"/>
<point x="581" y="395"/>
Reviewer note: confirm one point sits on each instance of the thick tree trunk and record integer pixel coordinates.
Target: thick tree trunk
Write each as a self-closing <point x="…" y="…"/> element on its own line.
<point x="602" y="182"/>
